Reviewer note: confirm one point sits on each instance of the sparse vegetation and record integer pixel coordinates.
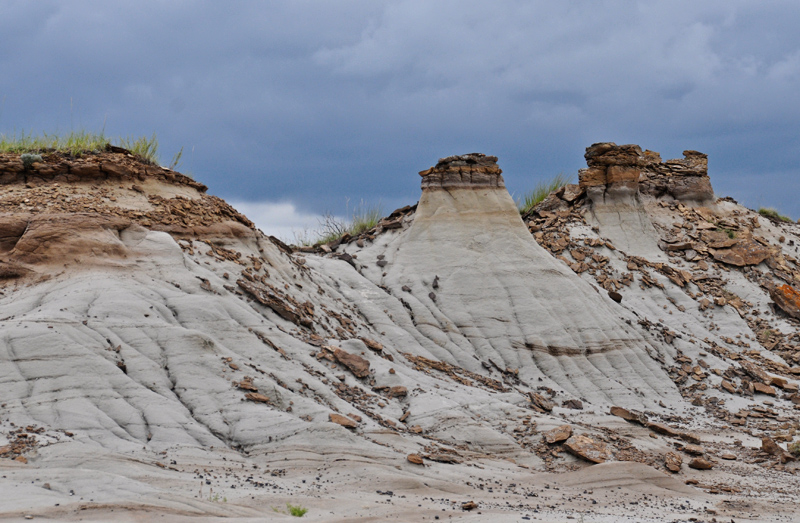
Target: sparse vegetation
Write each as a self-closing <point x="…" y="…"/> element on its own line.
<point x="29" y="159"/>
<point x="769" y="212"/>
<point x="541" y="191"/>
<point x="730" y="232"/>
<point x="794" y="448"/>
<point x="144" y="147"/>
<point x="296" y="510"/>
<point x="363" y="218"/>
<point x="216" y="498"/>
<point x="77" y="143"/>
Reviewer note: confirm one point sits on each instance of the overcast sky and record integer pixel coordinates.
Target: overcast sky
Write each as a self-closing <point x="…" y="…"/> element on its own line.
<point x="293" y="108"/>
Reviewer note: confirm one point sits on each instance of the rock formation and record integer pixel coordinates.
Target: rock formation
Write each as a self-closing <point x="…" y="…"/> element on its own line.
<point x="473" y="170"/>
<point x="624" y="170"/>
<point x="159" y="355"/>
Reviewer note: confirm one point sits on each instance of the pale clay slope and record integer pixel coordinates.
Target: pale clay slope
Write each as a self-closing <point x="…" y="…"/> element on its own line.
<point x="500" y="297"/>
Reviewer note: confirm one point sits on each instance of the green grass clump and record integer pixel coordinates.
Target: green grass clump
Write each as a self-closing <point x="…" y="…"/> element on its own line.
<point x="769" y="212"/>
<point x="541" y="191"/>
<point x="76" y="143"/>
<point x="794" y="448"/>
<point x="296" y="510"/>
<point x="364" y="218"/>
<point x="144" y="147"/>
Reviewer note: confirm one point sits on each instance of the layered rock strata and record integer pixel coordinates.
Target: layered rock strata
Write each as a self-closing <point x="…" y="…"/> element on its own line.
<point x="473" y="170"/>
<point x="620" y="170"/>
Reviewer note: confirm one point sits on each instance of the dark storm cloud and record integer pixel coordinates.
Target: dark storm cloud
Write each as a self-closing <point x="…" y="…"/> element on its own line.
<point x="314" y="102"/>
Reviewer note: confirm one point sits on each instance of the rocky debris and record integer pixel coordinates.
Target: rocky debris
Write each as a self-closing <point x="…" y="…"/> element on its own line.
<point x="283" y="304"/>
<point x="357" y="365"/>
<point x="344" y="421"/>
<point x="558" y="434"/>
<point x="246" y="384"/>
<point x="666" y="430"/>
<point x="588" y="449"/>
<point x="455" y="373"/>
<point x="541" y="403"/>
<point x="473" y="170"/>
<point x="660" y="428"/>
<point x="257" y="397"/>
<point x="21" y="441"/>
<point x="673" y="461"/>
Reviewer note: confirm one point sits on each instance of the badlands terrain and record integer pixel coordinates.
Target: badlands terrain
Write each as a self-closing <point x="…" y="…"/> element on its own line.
<point x="627" y="351"/>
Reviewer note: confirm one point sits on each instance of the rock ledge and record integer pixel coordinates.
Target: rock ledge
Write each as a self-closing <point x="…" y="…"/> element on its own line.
<point x="466" y="171"/>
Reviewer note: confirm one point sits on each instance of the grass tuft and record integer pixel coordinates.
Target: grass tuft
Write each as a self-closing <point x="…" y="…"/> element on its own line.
<point x="77" y="143"/>
<point x="769" y="212"/>
<point x="296" y="510"/>
<point x="541" y="191"/>
<point x="364" y="217"/>
<point x="143" y="147"/>
<point x="74" y="143"/>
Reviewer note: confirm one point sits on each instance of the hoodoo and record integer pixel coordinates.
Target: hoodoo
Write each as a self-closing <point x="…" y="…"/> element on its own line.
<point x="481" y="289"/>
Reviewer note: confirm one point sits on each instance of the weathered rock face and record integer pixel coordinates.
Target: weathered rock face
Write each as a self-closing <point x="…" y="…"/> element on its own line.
<point x="149" y="333"/>
<point x="473" y="170"/>
<point x="683" y="179"/>
<point x="615" y="170"/>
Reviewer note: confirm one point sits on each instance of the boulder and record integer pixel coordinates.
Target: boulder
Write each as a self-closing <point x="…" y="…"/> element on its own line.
<point x="769" y="446"/>
<point x="588" y="449"/>
<point x="701" y="464"/>
<point x="416" y="459"/>
<point x="558" y="434"/>
<point x="344" y="421"/>
<point x="745" y="252"/>
<point x="673" y="461"/>
<point x="398" y="392"/>
<point x="763" y="388"/>
<point x="787" y="298"/>
<point x="355" y="363"/>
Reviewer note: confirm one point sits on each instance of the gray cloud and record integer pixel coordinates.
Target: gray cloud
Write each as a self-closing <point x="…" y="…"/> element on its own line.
<point x="315" y="102"/>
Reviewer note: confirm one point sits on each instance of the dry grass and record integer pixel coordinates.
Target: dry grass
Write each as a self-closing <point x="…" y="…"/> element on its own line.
<point x="541" y="191"/>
